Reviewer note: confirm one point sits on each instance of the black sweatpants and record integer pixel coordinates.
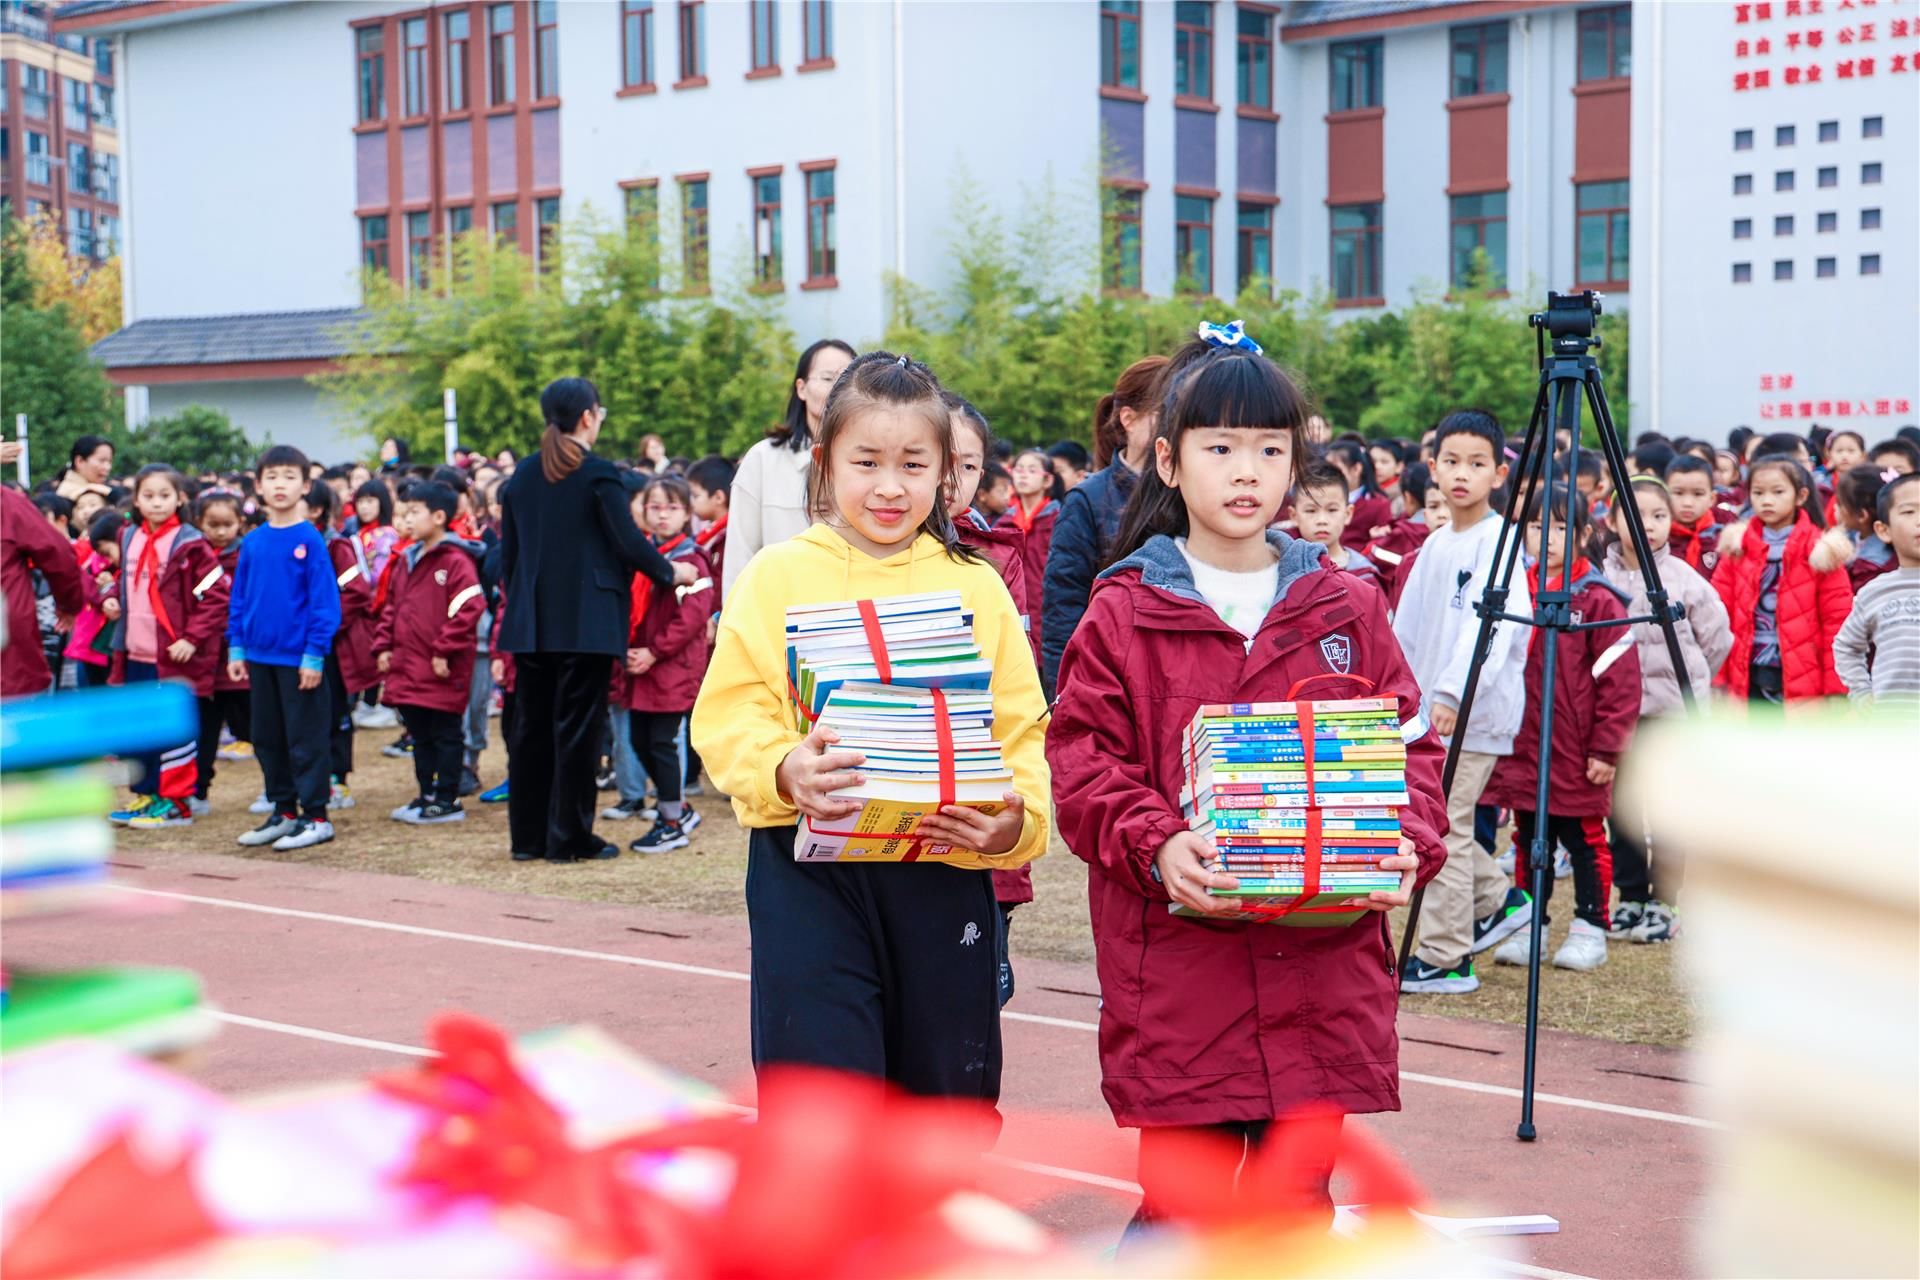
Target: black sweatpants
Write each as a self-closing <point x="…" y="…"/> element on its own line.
<point x="881" y="969"/>
<point x="340" y="706"/>
<point x="291" y="733"/>
<point x="1588" y="850"/>
<point x="559" y="721"/>
<point x="231" y="708"/>
<point x="656" y="741"/>
<point x="439" y="747"/>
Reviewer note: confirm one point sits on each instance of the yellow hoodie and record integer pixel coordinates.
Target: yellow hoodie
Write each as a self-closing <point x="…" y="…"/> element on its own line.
<point x="742" y="722"/>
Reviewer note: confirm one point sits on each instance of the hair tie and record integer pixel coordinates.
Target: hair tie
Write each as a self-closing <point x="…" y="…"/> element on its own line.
<point x="1228" y="337"/>
<point x="1889" y="474"/>
<point x="902" y="361"/>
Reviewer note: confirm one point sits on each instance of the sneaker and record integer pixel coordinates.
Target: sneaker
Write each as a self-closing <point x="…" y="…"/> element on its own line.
<point x="1661" y="923"/>
<point x="692" y="789"/>
<point x="689" y="819"/>
<point x="1512" y="916"/>
<point x="1515" y="950"/>
<point x="469" y="783"/>
<point x="1419" y="976"/>
<point x="1562" y="862"/>
<point x="604" y="781"/>
<point x="305" y="832"/>
<point x="199" y="806"/>
<point x="134" y="808"/>
<point x="403" y="746"/>
<point x="435" y="812"/>
<point x="1584" y="949"/>
<point x="1505" y="862"/>
<point x="1625" y="917"/>
<point x="261" y="805"/>
<point x="409" y="811"/>
<point x="629" y="809"/>
<point x="161" y="813"/>
<point x="366" y="717"/>
<point x="276" y="825"/>
<point x="496" y="795"/>
<point x="340" y="797"/>
<point x="602" y="854"/>
<point x="236" y="751"/>
<point x="666" y="834"/>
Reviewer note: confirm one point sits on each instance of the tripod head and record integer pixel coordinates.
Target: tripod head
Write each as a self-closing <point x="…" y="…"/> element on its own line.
<point x="1567" y="323"/>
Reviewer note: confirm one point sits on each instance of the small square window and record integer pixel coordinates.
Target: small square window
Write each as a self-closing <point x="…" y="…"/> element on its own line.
<point x="1828" y="222"/>
<point x="1743" y="228"/>
<point x="1829" y="175"/>
<point x="1783" y="268"/>
<point x="1869" y="264"/>
<point x="1783" y="180"/>
<point x="1870" y="173"/>
<point x="1743" y="139"/>
<point x="1743" y="184"/>
<point x="1824" y="268"/>
<point x="1869" y="219"/>
<point x="1870" y="127"/>
<point x="1829" y="131"/>
<point x="1783" y="224"/>
<point x="1743" y="273"/>
<point x="1783" y="136"/>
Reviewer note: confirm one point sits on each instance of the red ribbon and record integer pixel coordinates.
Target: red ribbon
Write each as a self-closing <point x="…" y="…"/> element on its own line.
<point x="149" y="567"/>
<point x="876" y="640"/>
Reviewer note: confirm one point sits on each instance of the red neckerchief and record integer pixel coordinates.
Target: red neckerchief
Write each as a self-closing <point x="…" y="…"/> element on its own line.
<point x="1706" y="521"/>
<point x="1581" y="568"/>
<point x="706" y="536"/>
<point x="365" y="533"/>
<point x="150" y="566"/>
<point x="1023" y="518"/>
<point x="398" y="554"/>
<point x="643" y="589"/>
<point x="461" y="526"/>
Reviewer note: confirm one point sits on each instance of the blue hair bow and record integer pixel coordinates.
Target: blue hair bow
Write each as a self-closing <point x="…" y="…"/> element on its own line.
<point x="1228" y="337"/>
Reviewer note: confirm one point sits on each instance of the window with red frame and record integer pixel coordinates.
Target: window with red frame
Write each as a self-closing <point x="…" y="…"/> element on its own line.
<point x="1120" y="44"/>
<point x="1256" y="243"/>
<point x="765" y="53"/>
<point x="546" y="241"/>
<point x="1479" y="60"/>
<point x="693" y="232"/>
<point x="1356" y="252"/>
<point x="459" y="56"/>
<point x="1606" y="43"/>
<point x="1254" y="51"/>
<point x="1193" y="244"/>
<point x="766" y="230"/>
<point x="413" y="67"/>
<point x="636" y="43"/>
<point x="546" y="49"/>
<point x="373" y="244"/>
<point x="821" y="255"/>
<point x="693" y="40"/>
<point x="500" y="23"/>
<point x="370" y="51"/>
<point x="419" y="249"/>
<point x="1193" y="49"/>
<point x="1121" y="268"/>
<point x="1601" y="234"/>
<point x="816" y="30"/>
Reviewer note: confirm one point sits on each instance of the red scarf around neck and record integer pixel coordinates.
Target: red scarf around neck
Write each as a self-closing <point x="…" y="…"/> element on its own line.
<point x="643" y="589"/>
<point x="1022" y="518"/>
<point x="149" y="567"/>
<point x="706" y="536"/>
<point x="1706" y="521"/>
<point x="1581" y="568"/>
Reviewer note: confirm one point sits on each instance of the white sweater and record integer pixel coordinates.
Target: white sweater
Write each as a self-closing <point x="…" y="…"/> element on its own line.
<point x="767" y="503"/>
<point x="1436" y="627"/>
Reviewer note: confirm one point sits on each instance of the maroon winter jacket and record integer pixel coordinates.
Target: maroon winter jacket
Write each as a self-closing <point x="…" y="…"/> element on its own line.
<point x="1813" y="601"/>
<point x="1596" y="703"/>
<point x="675" y="628"/>
<point x="1211" y="1021"/>
<point x="28" y="542"/>
<point x="353" y="642"/>
<point x="1392" y="549"/>
<point x="1698" y="543"/>
<point x="222" y="682"/>
<point x="1001" y="545"/>
<point x="1033" y="543"/>
<point x="1369" y="513"/>
<point x="194" y="589"/>
<point x="433" y="611"/>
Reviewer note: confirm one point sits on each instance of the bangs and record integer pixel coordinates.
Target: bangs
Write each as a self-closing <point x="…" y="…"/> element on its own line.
<point x="1236" y="389"/>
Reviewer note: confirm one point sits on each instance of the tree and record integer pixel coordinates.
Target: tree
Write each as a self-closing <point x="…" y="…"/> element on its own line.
<point x="45" y="371"/>
<point x="90" y="290"/>
<point x="195" y="441"/>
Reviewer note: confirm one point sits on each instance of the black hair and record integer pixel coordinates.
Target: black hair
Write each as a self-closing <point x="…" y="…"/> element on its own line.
<point x="1783" y="442"/>
<point x="166" y="472"/>
<point x="1910" y="433"/>
<point x="712" y="473"/>
<point x="1002" y="450"/>
<point x="1319" y="474"/>
<point x="1797" y="476"/>
<point x="1217" y="387"/>
<point x="562" y="404"/>
<point x="1354" y="453"/>
<point x="1686" y="464"/>
<point x="1905" y="448"/>
<point x="1589" y="465"/>
<point x="213" y="498"/>
<point x="1834" y="436"/>
<point x="455" y="478"/>
<point x="993" y="473"/>
<point x="379" y="493"/>
<point x="1649" y="437"/>
<point x="434" y="497"/>
<point x="86" y="446"/>
<point x="1559" y="502"/>
<point x="1056" y="488"/>
<point x="402" y="453"/>
<point x="969" y="414"/>
<point x="1394" y="448"/>
<point x="339" y="471"/>
<point x="1071" y="452"/>
<point x="281" y="455"/>
<point x="1737" y="440"/>
<point x="1883" y="504"/>
<point x="674" y="487"/>
<point x="106" y="527"/>
<point x="1473" y="422"/>
<point x="793" y="431"/>
<point x="52" y="504"/>
<point x="1415" y="479"/>
<point x="1817" y="437"/>
<point x="322" y="502"/>
<point x="1652" y="457"/>
<point x="1858" y="488"/>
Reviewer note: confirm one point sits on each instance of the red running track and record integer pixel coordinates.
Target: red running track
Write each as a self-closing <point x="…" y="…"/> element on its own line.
<point x="334" y="973"/>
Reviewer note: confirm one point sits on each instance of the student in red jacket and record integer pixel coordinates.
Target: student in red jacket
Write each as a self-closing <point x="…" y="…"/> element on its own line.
<point x="666" y="660"/>
<point x="350" y="667"/>
<point x="1786" y="596"/>
<point x="1696" y="516"/>
<point x="1216" y="1025"/>
<point x="1036" y="505"/>
<point x="227" y="704"/>
<point x="710" y="481"/>
<point x="1371" y="508"/>
<point x="1322" y="510"/>
<point x="424" y="647"/>
<point x="1596" y="703"/>
<point x="1392" y="549"/>
<point x="1856" y="499"/>
<point x="28" y="542"/>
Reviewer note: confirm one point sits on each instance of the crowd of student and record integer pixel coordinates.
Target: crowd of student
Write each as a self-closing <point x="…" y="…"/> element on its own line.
<point x="1219" y="544"/>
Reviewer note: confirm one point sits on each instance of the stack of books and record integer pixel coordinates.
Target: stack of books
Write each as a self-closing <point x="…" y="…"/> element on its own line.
<point x="921" y="641"/>
<point x="1301" y="823"/>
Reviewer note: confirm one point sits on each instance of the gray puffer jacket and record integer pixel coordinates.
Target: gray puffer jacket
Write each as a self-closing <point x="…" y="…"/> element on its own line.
<point x="1706" y="637"/>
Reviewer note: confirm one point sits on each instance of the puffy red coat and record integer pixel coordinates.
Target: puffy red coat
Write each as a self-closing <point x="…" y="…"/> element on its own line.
<point x="28" y="542"/>
<point x="353" y="643"/>
<point x="675" y="628"/>
<point x="1596" y="703"/>
<point x="1813" y="601"/>
<point x="1001" y="545"/>
<point x="1210" y="1021"/>
<point x="1033" y="543"/>
<point x="194" y="590"/>
<point x="433" y="609"/>
<point x="229" y="561"/>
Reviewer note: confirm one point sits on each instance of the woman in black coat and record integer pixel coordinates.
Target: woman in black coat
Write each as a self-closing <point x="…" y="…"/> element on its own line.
<point x="568" y="551"/>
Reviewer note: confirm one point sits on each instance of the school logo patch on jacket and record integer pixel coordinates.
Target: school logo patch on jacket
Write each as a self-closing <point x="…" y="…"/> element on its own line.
<point x="1337" y="650"/>
<point x="440" y="577"/>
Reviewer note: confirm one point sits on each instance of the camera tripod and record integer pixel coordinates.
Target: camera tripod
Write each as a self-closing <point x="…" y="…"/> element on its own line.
<point x="1565" y="376"/>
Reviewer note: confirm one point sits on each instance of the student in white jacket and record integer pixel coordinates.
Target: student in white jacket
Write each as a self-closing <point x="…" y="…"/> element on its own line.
<point x="1470" y="905"/>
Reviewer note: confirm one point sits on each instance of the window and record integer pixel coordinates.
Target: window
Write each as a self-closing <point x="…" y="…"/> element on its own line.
<point x="506" y="223"/>
<point x="1122" y="266"/>
<point x="1825" y="223"/>
<point x="1354" y="68"/>
<point x="636" y="43"/>
<point x="1254" y="59"/>
<point x="106" y="178"/>
<point x="459" y="45"/>
<point x="106" y="241"/>
<point x="1743" y="139"/>
<point x="822" y="263"/>
<point x="1606" y="43"/>
<point x="816" y="33"/>
<point x="36" y="95"/>
<point x="693" y="41"/>
<point x="693" y="232"/>
<point x="419" y="249"/>
<point x="1869" y="264"/>
<point x="1829" y="175"/>
<point x="546" y="243"/>
<point x="77" y="109"/>
<point x="1120" y="44"/>
<point x="1869" y="219"/>
<point x="1783" y="179"/>
<point x="1193" y="49"/>
<point x="1479" y="59"/>
<point x="373" y="244"/>
<point x="459" y="220"/>
<point x="373" y="73"/>
<point x="39" y="160"/>
<point x="1256" y="244"/>
<point x="1824" y="268"/>
<point x="1193" y="244"/>
<point x="1480" y="222"/>
<point x="103" y="57"/>
<point x="1743" y="184"/>
<point x="1602" y="233"/>
<point x="79" y="169"/>
<point x="642" y="206"/>
<point x="1783" y="268"/>
<point x="1870" y="127"/>
<point x="1783" y="224"/>
<point x="80" y="232"/>
<point x="499" y="54"/>
<point x="766" y="229"/>
<point x="103" y="106"/>
<point x="1743" y="273"/>
<point x="1743" y="228"/>
<point x="1783" y="135"/>
<point x="765" y="53"/>
<point x="413" y="66"/>
<point x="1829" y="131"/>
<point x="1356" y="252"/>
<point x="1870" y="173"/>
<point x="546" y="49"/>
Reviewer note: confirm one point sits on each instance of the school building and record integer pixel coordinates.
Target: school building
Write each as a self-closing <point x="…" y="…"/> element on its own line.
<point x="1745" y="186"/>
<point x="59" y="130"/>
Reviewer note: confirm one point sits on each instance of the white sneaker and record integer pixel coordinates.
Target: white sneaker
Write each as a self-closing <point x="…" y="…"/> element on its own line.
<point x="269" y="831"/>
<point x="410" y="811"/>
<point x="1516" y="949"/>
<point x="199" y="807"/>
<point x="305" y="832"/>
<point x="1562" y="862"/>
<point x="1584" y="949"/>
<point x="1505" y="862"/>
<point x="340" y="796"/>
<point x="261" y="804"/>
<point x="366" y="717"/>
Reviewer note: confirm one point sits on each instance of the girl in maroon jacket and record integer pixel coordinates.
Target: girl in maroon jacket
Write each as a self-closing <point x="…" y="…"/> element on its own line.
<point x="1371" y="508"/>
<point x="1596" y="703"/>
<point x="228" y="704"/>
<point x="1209" y="1024"/>
<point x="1036" y="505"/>
<point x="350" y="667"/>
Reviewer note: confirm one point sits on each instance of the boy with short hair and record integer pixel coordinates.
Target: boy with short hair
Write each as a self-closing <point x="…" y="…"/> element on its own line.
<point x="1885" y="622"/>
<point x="1322" y="509"/>
<point x="1896" y="455"/>
<point x="281" y="620"/>
<point x="1470" y="905"/>
<point x="995" y="494"/>
<point x="710" y="480"/>
<point x="424" y="644"/>
<point x="1696" y="520"/>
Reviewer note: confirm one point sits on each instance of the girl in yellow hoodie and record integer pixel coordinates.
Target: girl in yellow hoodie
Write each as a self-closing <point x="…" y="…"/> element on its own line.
<point x="885" y="969"/>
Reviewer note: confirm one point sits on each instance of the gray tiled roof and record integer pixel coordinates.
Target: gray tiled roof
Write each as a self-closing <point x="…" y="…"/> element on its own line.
<point x="274" y="335"/>
<point x="1312" y="13"/>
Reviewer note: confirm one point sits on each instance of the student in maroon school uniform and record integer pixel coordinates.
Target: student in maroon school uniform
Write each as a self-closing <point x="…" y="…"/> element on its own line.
<point x="1696" y="514"/>
<point x="350" y="667"/>
<point x="1216" y="1026"/>
<point x="424" y="647"/>
<point x="1371" y="509"/>
<point x="1856" y="496"/>
<point x="29" y="543"/>
<point x="1036" y="505"/>
<point x="1321" y="512"/>
<point x="1392" y="549"/>
<point x="218" y="517"/>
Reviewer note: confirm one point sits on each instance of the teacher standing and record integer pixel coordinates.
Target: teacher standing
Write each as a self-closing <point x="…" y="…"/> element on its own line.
<point x="568" y="551"/>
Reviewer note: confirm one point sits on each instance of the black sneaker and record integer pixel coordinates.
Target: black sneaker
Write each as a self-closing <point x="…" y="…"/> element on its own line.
<point x="434" y="811"/>
<point x="276" y="826"/>
<point x="1511" y="917"/>
<point x="604" y="852"/>
<point x="1419" y="976"/>
<point x="403" y="746"/>
<point x="521" y="855"/>
<point x="469" y="783"/>
<point x="629" y="809"/>
<point x="604" y="781"/>
<point x="306" y="832"/>
<point x="666" y="834"/>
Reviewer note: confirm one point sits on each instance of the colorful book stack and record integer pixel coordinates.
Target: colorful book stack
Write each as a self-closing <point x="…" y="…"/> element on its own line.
<point x="924" y="641"/>
<point x="1300" y="801"/>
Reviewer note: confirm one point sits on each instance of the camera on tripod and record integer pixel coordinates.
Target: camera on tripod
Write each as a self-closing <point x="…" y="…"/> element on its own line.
<point x="1568" y="322"/>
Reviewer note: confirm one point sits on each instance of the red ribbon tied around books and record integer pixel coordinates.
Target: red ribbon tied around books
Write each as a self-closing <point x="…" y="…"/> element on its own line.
<point x="876" y="640"/>
<point x="943" y="735"/>
<point x="1315" y="819"/>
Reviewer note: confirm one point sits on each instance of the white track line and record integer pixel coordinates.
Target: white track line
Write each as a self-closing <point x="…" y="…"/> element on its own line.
<point x="731" y="975"/>
<point x="315" y="1033"/>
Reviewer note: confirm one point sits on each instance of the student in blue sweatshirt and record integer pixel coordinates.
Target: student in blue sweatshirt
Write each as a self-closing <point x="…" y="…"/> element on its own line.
<point x="281" y="621"/>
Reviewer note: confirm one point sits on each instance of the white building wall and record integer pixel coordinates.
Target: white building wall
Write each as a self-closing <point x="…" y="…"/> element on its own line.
<point x="1303" y="179"/>
<point x="1417" y="231"/>
<point x="283" y="410"/>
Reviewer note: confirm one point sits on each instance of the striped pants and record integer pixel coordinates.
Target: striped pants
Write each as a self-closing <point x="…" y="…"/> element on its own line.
<point x="169" y="774"/>
<point x="1587" y="848"/>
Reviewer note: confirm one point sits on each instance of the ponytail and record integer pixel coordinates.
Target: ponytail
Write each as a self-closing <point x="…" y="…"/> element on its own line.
<point x="563" y="404"/>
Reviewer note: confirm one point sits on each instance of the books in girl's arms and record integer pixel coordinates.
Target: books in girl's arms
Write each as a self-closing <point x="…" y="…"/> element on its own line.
<point x="923" y="641"/>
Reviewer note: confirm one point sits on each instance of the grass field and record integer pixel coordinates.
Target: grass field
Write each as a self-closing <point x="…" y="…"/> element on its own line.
<point x="1635" y="997"/>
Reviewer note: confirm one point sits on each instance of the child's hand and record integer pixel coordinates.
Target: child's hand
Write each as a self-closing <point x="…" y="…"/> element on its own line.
<point x="1599" y="772"/>
<point x="180" y="651"/>
<point x="104" y="581"/>
<point x="811" y="773"/>
<point x="236" y="671"/>
<point x="713" y="629"/>
<point x="644" y="658"/>
<point x="633" y="662"/>
<point x="440" y="667"/>
<point x="684" y="574"/>
<point x="383" y="661"/>
<point x="110" y="608"/>
<point x="1443" y="719"/>
<point x="1408" y="865"/>
<point x="1183" y="865"/>
<point x="309" y="679"/>
<point x="967" y="828"/>
<point x="498" y="666"/>
<point x="1380" y="531"/>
